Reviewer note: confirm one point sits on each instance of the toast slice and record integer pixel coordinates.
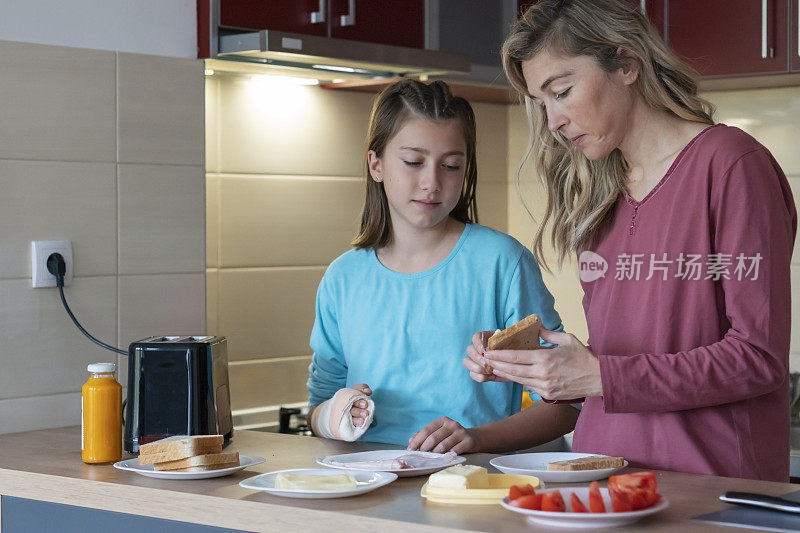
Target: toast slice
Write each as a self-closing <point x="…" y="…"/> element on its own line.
<point x="204" y="468"/>
<point x="209" y="461"/>
<point x="524" y="335"/>
<point x="152" y="458"/>
<point x="593" y="462"/>
<point x="181" y="446"/>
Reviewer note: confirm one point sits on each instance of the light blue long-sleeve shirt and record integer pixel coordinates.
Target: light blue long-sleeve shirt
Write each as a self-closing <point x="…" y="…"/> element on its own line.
<point x="405" y="335"/>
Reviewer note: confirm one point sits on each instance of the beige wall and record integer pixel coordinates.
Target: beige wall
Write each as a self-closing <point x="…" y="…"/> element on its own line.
<point x="284" y="194"/>
<point x="771" y="115"/>
<point x="104" y="149"/>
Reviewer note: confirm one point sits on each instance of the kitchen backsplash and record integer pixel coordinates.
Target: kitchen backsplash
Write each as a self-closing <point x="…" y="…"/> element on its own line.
<point x="104" y="149"/>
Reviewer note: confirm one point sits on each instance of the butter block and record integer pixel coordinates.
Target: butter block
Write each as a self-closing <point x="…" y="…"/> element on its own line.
<point x="315" y="481"/>
<point x="460" y="477"/>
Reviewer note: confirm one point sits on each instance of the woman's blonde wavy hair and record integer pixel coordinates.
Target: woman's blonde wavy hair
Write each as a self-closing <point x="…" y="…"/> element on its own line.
<point x="581" y="193"/>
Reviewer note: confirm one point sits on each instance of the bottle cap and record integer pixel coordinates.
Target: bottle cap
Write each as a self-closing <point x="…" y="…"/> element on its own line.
<point x="102" y="367"/>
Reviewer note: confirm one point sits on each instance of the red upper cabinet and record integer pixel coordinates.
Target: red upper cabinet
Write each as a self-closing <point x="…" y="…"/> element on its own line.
<point x="394" y="22"/>
<point x="730" y="37"/>
<point x="295" y="16"/>
<point x="794" y="48"/>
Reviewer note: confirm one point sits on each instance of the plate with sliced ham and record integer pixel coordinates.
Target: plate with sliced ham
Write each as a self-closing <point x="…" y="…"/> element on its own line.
<point x="404" y="463"/>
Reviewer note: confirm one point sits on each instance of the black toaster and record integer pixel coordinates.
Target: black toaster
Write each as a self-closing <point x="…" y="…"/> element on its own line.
<point x="177" y="385"/>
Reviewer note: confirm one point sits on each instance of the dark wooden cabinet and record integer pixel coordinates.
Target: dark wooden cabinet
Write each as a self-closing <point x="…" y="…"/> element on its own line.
<point x="730" y="37"/>
<point x="295" y="16"/>
<point x="394" y="22"/>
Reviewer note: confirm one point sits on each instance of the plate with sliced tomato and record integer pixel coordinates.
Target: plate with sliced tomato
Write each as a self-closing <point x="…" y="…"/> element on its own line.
<point x="628" y="499"/>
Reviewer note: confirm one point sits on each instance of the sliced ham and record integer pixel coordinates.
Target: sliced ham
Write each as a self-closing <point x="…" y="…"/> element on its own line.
<point x="409" y="460"/>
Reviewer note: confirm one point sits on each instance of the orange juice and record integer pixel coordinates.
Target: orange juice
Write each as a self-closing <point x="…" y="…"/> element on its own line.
<point x="101" y="415"/>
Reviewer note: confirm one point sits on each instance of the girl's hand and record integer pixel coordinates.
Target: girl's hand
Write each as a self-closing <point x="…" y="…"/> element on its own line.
<point x="479" y="369"/>
<point x="443" y="435"/>
<point x="359" y="410"/>
<point x="564" y="372"/>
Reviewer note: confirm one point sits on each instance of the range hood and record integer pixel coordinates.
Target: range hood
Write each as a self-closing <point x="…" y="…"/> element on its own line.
<point x="327" y="55"/>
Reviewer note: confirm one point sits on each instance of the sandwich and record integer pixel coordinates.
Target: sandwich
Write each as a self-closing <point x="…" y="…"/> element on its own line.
<point x="187" y="453"/>
<point x="524" y="335"/>
<point x="210" y="461"/>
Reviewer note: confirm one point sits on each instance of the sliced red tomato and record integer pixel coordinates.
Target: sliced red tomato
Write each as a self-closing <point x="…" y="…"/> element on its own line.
<point x="595" y="498"/>
<point x="577" y="504"/>
<point x="634" y="491"/>
<point x="519" y="490"/>
<point x="620" y="503"/>
<point x="553" y="501"/>
<point x="528" y="501"/>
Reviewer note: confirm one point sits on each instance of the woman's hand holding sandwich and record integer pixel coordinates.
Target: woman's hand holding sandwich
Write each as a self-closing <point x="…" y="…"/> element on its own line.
<point x="564" y="372"/>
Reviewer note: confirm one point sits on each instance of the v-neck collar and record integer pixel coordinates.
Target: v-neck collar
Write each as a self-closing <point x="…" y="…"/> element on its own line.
<point x="638" y="203"/>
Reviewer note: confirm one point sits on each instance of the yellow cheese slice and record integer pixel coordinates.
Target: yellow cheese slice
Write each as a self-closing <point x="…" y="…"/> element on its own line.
<point x="315" y="481"/>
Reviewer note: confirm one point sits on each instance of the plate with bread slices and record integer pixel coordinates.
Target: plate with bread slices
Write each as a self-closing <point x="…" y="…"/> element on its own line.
<point x="187" y="457"/>
<point x="560" y="467"/>
<point x="318" y="483"/>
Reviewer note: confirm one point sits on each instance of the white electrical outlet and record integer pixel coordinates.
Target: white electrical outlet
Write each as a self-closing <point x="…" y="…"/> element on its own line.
<point x="40" y="251"/>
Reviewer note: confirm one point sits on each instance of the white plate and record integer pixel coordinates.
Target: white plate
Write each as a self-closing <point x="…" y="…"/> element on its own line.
<point x="380" y="455"/>
<point x="366" y="481"/>
<point x="147" y="470"/>
<point x="585" y="520"/>
<point x="535" y="464"/>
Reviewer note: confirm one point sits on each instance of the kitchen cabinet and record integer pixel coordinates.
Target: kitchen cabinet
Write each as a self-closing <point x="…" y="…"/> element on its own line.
<point x="393" y="22"/>
<point x="730" y="37"/>
<point x="297" y="16"/>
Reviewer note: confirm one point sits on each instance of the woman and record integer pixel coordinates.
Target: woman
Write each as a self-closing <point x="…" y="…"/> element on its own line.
<point x="687" y="363"/>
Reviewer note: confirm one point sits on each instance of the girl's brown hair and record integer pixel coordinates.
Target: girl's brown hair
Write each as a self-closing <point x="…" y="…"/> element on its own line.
<point x="400" y="101"/>
<point x="581" y="193"/>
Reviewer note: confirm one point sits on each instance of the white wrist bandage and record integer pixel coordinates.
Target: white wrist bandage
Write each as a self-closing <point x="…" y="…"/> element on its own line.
<point x="332" y="419"/>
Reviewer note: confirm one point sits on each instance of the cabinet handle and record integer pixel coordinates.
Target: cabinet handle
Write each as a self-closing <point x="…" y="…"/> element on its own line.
<point x="350" y="18"/>
<point x="766" y="51"/>
<point x="318" y="17"/>
<point x="643" y="6"/>
<point x="798" y="27"/>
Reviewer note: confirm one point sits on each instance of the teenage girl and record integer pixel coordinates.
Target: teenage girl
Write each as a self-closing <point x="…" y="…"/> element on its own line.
<point x="398" y="311"/>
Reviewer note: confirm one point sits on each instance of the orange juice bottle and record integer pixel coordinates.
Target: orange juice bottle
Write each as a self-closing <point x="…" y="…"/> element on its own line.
<point x="101" y="415"/>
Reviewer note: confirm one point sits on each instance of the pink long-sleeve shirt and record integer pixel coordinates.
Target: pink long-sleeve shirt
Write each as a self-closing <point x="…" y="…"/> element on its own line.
<point x="691" y="322"/>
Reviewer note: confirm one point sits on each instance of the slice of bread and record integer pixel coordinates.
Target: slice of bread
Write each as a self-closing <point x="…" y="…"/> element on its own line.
<point x="524" y="335"/>
<point x="593" y="462"/>
<point x="181" y="445"/>
<point x="204" y="468"/>
<point x="209" y="461"/>
<point x="151" y="458"/>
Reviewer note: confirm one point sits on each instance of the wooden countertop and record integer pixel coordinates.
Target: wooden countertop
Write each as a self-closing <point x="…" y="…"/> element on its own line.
<point x="46" y="465"/>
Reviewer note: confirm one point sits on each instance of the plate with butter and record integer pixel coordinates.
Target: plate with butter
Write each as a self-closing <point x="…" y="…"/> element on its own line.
<point x="471" y="485"/>
<point x="317" y="483"/>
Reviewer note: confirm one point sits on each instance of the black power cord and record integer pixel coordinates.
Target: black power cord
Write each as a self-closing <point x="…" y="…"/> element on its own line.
<point x="58" y="267"/>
